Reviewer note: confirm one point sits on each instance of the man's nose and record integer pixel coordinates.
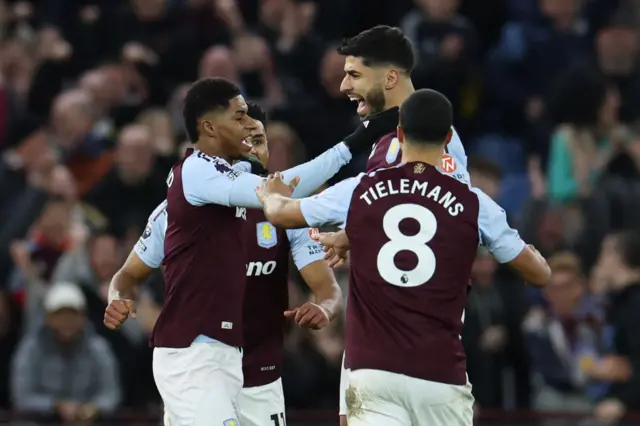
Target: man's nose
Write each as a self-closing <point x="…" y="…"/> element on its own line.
<point x="345" y="86"/>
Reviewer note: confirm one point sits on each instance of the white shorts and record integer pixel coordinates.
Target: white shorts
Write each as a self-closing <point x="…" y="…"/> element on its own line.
<point x="199" y="385"/>
<point x="344" y="384"/>
<point x="381" y="398"/>
<point x="262" y="405"/>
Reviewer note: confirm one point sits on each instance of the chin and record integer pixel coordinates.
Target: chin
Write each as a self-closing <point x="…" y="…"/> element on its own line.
<point x="241" y="156"/>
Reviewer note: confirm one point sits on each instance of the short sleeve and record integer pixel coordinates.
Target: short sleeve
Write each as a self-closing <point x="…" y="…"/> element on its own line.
<point x="211" y="180"/>
<point x="242" y="166"/>
<point x="456" y="150"/>
<point x="150" y="246"/>
<point x="304" y="249"/>
<point x="331" y="206"/>
<point x="496" y="235"/>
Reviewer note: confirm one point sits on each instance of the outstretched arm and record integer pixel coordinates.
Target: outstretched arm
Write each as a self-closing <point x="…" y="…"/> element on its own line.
<point x="330" y="207"/>
<point x="505" y="244"/>
<point x="210" y="180"/>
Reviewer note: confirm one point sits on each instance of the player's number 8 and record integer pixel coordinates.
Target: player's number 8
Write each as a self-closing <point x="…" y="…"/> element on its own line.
<point x="416" y="244"/>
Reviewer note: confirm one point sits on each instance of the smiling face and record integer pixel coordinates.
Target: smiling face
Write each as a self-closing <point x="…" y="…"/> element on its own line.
<point x="231" y="127"/>
<point x="258" y="139"/>
<point x="364" y="85"/>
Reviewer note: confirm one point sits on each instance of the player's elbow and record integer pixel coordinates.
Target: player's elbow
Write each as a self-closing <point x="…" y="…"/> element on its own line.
<point x="531" y="267"/>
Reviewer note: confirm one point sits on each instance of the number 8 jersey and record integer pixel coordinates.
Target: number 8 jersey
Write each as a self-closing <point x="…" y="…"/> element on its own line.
<point x="414" y="234"/>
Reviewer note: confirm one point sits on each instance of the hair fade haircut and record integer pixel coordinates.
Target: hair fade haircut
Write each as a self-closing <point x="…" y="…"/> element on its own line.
<point x="256" y="112"/>
<point x="206" y="95"/>
<point x="380" y="45"/>
<point x="426" y="116"/>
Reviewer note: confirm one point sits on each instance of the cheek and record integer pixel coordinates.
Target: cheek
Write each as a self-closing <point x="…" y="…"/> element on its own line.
<point x="227" y="131"/>
<point x="262" y="153"/>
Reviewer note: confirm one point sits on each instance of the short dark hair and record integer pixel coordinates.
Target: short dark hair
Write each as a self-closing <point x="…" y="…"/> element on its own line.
<point x="256" y="112"/>
<point x="426" y="116"/>
<point x="628" y="245"/>
<point x="204" y="96"/>
<point x="380" y="45"/>
<point x="485" y="167"/>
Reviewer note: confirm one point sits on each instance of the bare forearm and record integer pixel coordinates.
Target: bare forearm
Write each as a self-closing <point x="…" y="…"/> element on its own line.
<point x="126" y="282"/>
<point x="329" y="298"/>
<point x="283" y="212"/>
<point x="531" y="267"/>
<point x="124" y="286"/>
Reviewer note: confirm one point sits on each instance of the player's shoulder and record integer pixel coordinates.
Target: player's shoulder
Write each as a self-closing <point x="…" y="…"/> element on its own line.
<point x="487" y="204"/>
<point x="383" y="172"/>
<point x="454" y="139"/>
<point x="387" y="139"/>
<point x="159" y="212"/>
<point x="389" y="146"/>
<point x="199" y="162"/>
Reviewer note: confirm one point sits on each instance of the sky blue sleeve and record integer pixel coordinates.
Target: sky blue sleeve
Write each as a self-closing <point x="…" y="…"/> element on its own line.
<point x="303" y="249"/>
<point x="210" y="180"/>
<point x="243" y="166"/>
<point x="150" y="246"/>
<point x="331" y="206"/>
<point x="313" y="174"/>
<point x="503" y="242"/>
<point x="456" y="150"/>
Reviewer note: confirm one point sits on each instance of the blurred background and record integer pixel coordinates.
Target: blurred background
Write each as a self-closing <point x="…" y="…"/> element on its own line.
<point x="547" y="102"/>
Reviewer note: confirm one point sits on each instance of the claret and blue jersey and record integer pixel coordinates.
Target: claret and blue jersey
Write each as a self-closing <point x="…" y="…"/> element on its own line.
<point x="387" y="152"/>
<point x="267" y="266"/>
<point x="414" y="233"/>
<point x="206" y="210"/>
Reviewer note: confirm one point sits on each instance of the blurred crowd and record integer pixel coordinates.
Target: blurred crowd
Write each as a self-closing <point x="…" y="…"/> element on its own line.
<point x="547" y="102"/>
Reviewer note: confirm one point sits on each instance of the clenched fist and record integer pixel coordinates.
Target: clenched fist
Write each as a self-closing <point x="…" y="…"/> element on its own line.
<point x="118" y="311"/>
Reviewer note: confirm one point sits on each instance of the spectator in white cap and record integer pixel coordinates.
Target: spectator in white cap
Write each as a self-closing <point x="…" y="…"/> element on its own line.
<point x="64" y="369"/>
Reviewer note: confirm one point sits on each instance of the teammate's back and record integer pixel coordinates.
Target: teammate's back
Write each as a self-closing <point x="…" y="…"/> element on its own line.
<point x="414" y="235"/>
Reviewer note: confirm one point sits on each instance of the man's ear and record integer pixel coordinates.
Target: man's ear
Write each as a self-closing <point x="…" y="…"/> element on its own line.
<point x="207" y="125"/>
<point x="391" y="79"/>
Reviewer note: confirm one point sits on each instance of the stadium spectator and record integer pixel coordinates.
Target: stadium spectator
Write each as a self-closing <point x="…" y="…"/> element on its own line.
<point x="562" y="336"/>
<point x="619" y="270"/>
<point x="134" y="185"/>
<point x="64" y="370"/>
<point x="91" y="97"/>
<point x="447" y="53"/>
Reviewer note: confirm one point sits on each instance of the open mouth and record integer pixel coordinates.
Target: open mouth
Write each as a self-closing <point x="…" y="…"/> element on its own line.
<point x="246" y="144"/>
<point x="362" y="104"/>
